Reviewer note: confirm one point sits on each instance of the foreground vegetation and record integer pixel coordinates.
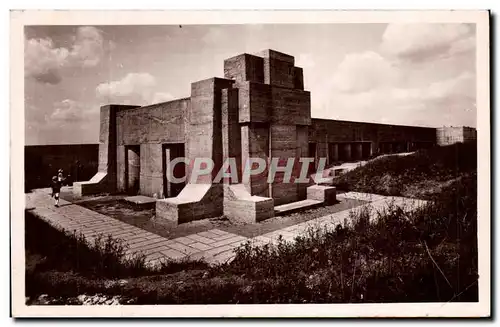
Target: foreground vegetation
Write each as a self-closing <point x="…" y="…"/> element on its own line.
<point x="426" y="255"/>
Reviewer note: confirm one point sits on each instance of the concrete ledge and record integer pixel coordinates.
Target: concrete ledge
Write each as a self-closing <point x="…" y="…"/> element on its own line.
<point x="296" y="206"/>
<point x="249" y="210"/>
<point x="141" y="201"/>
<point x="241" y="207"/>
<point x="195" y="202"/>
<point x="325" y="194"/>
<point x="97" y="184"/>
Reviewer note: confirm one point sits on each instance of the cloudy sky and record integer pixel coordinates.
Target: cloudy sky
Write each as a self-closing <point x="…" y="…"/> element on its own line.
<point x="421" y="74"/>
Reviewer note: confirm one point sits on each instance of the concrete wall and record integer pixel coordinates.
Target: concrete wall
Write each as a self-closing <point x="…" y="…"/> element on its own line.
<point x="149" y="127"/>
<point x="280" y="70"/>
<point x="244" y="67"/>
<point x="347" y="135"/>
<point x="158" y="123"/>
<point x="450" y="135"/>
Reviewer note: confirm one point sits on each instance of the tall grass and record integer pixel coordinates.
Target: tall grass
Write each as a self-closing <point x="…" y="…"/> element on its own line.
<point x="401" y="256"/>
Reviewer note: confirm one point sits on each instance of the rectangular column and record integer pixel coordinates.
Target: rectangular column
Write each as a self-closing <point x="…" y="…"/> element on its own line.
<point x="283" y="145"/>
<point x="231" y="134"/>
<point x="204" y="125"/>
<point x="121" y="170"/>
<point x="151" y="170"/>
<point x="255" y="144"/>
<point x="302" y="149"/>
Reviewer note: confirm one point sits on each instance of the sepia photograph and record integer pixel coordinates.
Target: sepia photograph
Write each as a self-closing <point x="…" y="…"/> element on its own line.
<point x="266" y="163"/>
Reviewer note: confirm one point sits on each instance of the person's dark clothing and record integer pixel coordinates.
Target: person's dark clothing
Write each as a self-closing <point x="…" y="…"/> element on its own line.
<point x="56" y="187"/>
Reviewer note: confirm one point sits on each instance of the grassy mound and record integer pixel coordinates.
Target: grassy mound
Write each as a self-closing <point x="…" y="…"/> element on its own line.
<point x="421" y="175"/>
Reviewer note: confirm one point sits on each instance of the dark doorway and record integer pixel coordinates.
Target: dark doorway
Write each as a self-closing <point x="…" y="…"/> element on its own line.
<point x="133" y="168"/>
<point x="367" y="149"/>
<point x="312" y="154"/>
<point x="345" y="151"/>
<point x="171" y="152"/>
<point x="333" y="153"/>
<point x="357" y="150"/>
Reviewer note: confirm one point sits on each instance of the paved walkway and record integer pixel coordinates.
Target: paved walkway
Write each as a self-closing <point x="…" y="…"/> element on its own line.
<point x="213" y="245"/>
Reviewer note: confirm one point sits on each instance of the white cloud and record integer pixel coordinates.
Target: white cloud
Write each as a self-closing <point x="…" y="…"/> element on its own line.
<point x="131" y="84"/>
<point x="70" y="111"/>
<point x="162" y="97"/>
<point x="44" y="62"/>
<point x="213" y="35"/>
<point x="450" y="101"/>
<point x="65" y="122"/>
<point x="361" y="72"/>
<point x="134" y="88"/>
<point x="421" y="74"/>
<point x="305" y="60"/>
<point x="422" y="41"/>
<point x="88" y="46"/>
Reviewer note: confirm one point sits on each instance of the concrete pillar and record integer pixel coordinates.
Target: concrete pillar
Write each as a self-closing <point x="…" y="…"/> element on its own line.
<point x="231" y="133"/>
<point x="168" y="185"/>
<point x="121" y="169"/>
<point x="151" y="178"/>
<point x="283" y="145"/>
<point x="204" y="125"/>
<point x="255" y="144"/>
<point x="302" y="148"/>
<point x="133" y="169"/>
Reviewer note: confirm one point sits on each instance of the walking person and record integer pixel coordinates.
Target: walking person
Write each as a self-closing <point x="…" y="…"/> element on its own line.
<point x="61" y="178"/>
<point x="56" y="189"/>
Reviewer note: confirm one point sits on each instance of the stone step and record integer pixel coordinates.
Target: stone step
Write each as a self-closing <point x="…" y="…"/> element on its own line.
<point x="141" y="201"/>
<point x="296" y="206"/>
